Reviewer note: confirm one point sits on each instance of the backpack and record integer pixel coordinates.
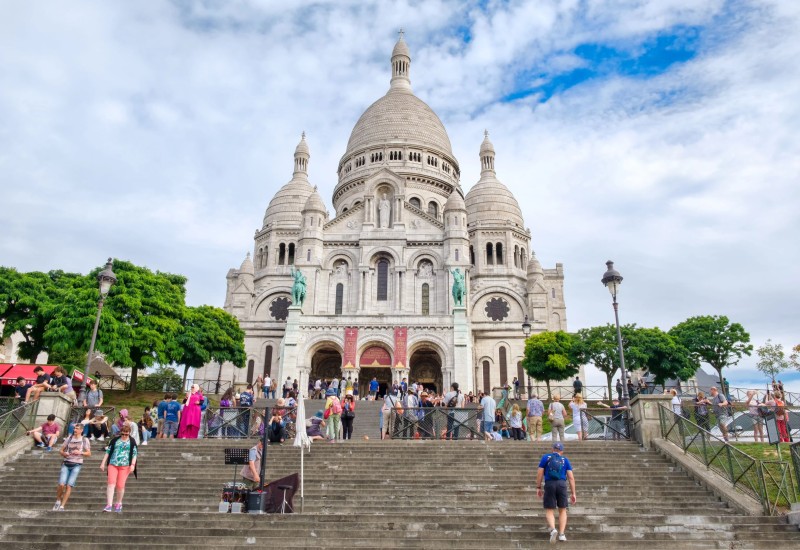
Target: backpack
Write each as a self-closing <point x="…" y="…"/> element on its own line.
<point x="453" y="401"/>
<point x="204" y="404"/>
<point x="336" y="406"/>
<point x="554" y="467"/>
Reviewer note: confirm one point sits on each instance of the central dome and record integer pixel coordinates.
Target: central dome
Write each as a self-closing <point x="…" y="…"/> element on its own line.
<point x="399" y="117"/>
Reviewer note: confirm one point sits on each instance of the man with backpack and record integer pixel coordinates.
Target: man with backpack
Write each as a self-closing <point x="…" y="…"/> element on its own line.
<point x="555" y="470"/>
<point x="454" y="399"/>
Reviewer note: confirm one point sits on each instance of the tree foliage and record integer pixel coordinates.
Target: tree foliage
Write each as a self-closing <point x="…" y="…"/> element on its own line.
<point x="210" y="334"/>
<point x="598" y="345"/>
<point x="794" y="358"/>
<point x="551" y="356"/>
<point x="714" y="340"/>
<point x="659" y="354"/>
<point x="771" y="359"/>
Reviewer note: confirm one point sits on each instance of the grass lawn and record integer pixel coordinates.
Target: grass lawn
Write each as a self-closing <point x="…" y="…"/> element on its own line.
<point x="764" y="451"/>
<point x="136" y="402"/>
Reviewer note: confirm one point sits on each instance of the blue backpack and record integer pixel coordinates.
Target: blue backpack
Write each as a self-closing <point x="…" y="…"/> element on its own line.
<point x="555" y="465"/>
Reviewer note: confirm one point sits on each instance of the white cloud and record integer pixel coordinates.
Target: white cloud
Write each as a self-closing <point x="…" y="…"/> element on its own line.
<point x="158" y="133"/>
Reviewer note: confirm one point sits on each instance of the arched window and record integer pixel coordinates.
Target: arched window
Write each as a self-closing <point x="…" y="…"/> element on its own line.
<point x="291" y="254"/>
<point x="426" y="299"/>
<point x="383" y="280"/>
<point x="489" y="254"/>
<point x="264" y="257"/>
<point x="520" y="373"/>
<point x="503" y="367"/>
<point x="339" y="298"/>
<point x="414" y="201"/>
<point x="282" y="254"/>
<point x="487" y="384"/>
<point x="516" y="256"/>
<point x="553" y="291"/>
<point x="456" y="254"/>
<point x="499" y="252"/>
<point x="308" y="255"/>
<point x="471" y="255"/>
<point x="433" y="209"/>
<point x="268" y="361"/>
<point x="251" y="365"/>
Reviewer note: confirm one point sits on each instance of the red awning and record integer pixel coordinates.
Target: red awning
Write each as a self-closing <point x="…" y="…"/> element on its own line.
<point x="9" y="378"/>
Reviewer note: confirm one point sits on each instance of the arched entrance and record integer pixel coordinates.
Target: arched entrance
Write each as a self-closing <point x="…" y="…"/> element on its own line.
<point x="426" y="369"/>
<point x="326" y="364"/>
<point x="375" y="362"/>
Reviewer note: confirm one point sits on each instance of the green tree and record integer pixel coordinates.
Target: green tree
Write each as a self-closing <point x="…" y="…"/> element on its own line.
<point x="659" y="354"/>
<point x="598" y="345"/>
<point x="70" y="359"/>
<point x="794" y="358"/>
<point x="140" y="323"/>
<point x="25" y="306"/>
<point x="551" y="356"/>
<point x="771" y="359"/>
<point x="163" y="379"/>
<point x="714" y="340"/>
<point x="210" y="334"/>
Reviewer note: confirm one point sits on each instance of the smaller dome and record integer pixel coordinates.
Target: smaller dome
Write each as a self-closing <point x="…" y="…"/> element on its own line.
<point x="534" y="266"/>
<point x="314" y="203"/>
<point x="455" y="201"/>
<point x="491" y="201"/>
<point x="302" y="147"/>
<point x="401" y="48"/>
<point x="286" y="206"/>
<point x="247" y="266"/>
<point x="486" y="146"/>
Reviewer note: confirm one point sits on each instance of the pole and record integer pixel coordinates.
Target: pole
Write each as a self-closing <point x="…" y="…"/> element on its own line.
<point x="263" y="471"/>
<point x="219" y="379"/>
<point x="91" y="347"/>
<point x="625" y="400"/>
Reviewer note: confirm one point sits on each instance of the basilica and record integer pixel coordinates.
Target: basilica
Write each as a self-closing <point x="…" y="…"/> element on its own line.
<point x="380" y="268"/>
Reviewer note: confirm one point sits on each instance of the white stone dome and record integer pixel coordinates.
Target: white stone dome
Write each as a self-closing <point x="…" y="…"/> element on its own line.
<point x="399" y="118"/>
<point x="286" y="206"/>
<point x="491" y="201"/>
<point x="314" y="203"/>
<point x="455" y="201"/>
<point x="534" y="266"/>
<point x="247" y="266"/>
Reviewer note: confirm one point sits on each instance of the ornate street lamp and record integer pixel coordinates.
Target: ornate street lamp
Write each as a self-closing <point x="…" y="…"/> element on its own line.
<point x="526" y="330"/>
<point x="105" y="279"/>
<point x="612" y="281"/>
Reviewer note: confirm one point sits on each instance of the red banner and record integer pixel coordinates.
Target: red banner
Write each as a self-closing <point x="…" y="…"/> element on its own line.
<point x="400" y="341"/>
<point x="350" y="348"/>
<point x="376" y="357"/>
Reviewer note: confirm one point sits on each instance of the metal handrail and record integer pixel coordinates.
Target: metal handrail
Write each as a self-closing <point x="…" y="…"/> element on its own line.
<point x="752" y="476"/>
<point x="434" y="423"/>
<point x="245" y="422"/>
<point x="16" y="422"/>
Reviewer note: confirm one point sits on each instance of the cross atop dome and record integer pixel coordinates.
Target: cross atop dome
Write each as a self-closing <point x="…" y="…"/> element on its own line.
<point x="400" y="33"/>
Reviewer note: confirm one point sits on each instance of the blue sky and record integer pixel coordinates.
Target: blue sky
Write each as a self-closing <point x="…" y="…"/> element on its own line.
<point x="660" y="134"/>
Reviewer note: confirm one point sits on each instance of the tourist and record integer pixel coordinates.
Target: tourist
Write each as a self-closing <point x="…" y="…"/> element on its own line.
<point x="579" y="418"/>
<point x="295" y="386"/>
<point x="94" y="397"/>
<point x="373" y="389"/>
<point x="252" y="470"/>
<point x="267" y="386"/>
<point x="276" y="427"/>
<point x="62" y="383"/>
<point x="556" y="413"/>
<point x="453" y="399"/>
<point x="154" y="420"/>
<point x="189" y="425"/>
<point x="75" y="448"/>
<point x="515" y="421"/>
<point x="535" y="410"/>
<point x="273" y="388"/>
<point x="258" y="386"/>
<point x="335" y="385"/>
<point x="577" y="386"/>
<point x="403" y="388"/>
<point x="22" y="389"/>
<point x="675" y="402"/>
<point x="145" y="425"/>
<point x="227" y="414"/>
<point x="160" y="410"/>
<point x="753" y="411"/>
<point x="617" y="423"/>
<point x="172" y="416"/>
<point x="619" y="389"/>
<point x="631" y="389"/>
<point x="315" y="425"/>
<point x="287" y="386"/>
<point x="348" y="416"/>
<point x="46" y="435"/>
<point x="642" y="386"/>
<point x="355" y="389"/>
<point x="515" y="383"/>
<point x="410" y="412"/>
<point x="85" y="422"/>
<point x="99" y="426"/>
<point x="488" y="407"/>
<point x="780" y="417"/>
<point x="42" y="384"/>
<point x="425" y="418"/>
<point x="720" y="406"/>
<point x="391" y="407"/>
<point x="245" y="402"/>
<point x="120" y="456"/>
<point x="555" y="470"/>
<point x="333" y="414"/>
<point x="701" y="404"/>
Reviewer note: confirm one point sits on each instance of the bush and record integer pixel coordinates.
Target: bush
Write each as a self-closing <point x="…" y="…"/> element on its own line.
<point x="163" y="379"/>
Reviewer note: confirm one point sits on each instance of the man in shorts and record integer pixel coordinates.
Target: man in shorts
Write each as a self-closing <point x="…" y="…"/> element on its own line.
<point x="172" y="416"/>
<point x="555" y="470"/>
<point x="488" y="407"/>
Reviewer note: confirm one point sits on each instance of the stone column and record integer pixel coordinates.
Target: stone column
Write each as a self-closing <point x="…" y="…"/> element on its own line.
<point x="290" y="346"/>
<point x="462" y="349"/>
<point x="303" y="374"/>
<point x="644" y="411"/>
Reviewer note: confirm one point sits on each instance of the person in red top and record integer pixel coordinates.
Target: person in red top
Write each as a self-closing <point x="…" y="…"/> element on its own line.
<point x="46" y="435"/>
<point x="780" y="416"/>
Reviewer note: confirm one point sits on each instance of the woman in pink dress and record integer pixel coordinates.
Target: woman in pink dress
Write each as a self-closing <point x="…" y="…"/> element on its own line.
<point x="190" y="416"/>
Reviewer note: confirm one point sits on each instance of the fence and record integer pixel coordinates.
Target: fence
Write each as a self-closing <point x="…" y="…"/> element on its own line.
<point x="769" y="482"/>
<point x="14" y="423"/>
<point x="9" y="403"/>
<point x="246" y="422"/>
<point x="435" y="423"/>
<point x="145" y="383"/>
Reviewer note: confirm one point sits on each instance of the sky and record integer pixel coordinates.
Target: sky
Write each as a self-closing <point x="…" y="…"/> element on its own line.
<point x="659" y="134"/>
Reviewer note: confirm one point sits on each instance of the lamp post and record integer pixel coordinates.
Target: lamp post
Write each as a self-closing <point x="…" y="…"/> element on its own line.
<point x="526" y="330"/>
<point x="612" y="281"/>
<point x="105" y="279"/>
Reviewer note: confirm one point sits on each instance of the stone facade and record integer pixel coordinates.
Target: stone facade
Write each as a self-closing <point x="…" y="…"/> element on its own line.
<point x="382" y="266"/>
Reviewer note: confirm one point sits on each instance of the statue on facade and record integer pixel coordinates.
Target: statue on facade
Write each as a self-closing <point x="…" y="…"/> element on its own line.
<point x="384" y="211"/>
<point x="299" y="287"/>
<point x="458" y="287"/>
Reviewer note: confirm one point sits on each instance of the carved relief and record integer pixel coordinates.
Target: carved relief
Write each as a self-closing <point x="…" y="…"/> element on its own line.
<point x="425" y="269"/>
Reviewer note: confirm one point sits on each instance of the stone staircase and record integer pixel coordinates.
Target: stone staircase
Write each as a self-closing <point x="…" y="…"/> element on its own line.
<point x="381" y="494"/>
<point x="367" y="421"/>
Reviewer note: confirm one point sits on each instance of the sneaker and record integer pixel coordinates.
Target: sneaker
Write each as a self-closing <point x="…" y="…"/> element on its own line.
<point x="101" y="438"/>
<point x="57" y="505"/>
<point x="562" y="537"/>
<point x="118" y="509"/>
<point x="553" y="535"/>
<point x="40" y="445"/>
<point x="91" y="438"/>
<point x="60" y="509"/>
<point x="144" y="442"/>
<point x="48" y="449"/>
<point x="108" y="509"/>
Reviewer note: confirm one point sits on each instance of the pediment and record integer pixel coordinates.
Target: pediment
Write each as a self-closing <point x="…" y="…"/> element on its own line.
<point x="416" y="219"/>
<point x="243" y="288"/>
<point x="347" y="222"/>
<point x="383" y="176"/>
<point x="538" y="288"/>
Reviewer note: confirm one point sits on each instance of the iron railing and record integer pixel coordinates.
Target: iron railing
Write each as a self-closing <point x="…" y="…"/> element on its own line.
<point x="794" y="452"/>
<point x="14" y="423"/>
<point x="144" y="383"/>
<point x="435" y="423"/>
<point x="9" y="403"/>
<point x="768" y="482"/>
<point x="77" y="414"/>
<point x="246" y="422"/>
